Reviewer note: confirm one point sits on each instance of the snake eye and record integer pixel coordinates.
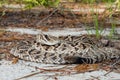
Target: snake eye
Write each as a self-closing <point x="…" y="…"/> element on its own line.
<point x="34" y="42"/>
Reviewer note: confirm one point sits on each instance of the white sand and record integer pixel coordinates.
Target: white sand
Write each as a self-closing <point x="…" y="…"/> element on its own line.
<point x="66" y="31"/>
<point x="10" y="71"/>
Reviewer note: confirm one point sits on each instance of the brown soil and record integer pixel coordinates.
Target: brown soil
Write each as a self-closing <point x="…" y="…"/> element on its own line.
<point x="51" y="18"/>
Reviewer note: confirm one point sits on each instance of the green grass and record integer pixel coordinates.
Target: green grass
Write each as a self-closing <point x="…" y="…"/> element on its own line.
<point x="112" y="31"/>
<point x="98" y="27"/>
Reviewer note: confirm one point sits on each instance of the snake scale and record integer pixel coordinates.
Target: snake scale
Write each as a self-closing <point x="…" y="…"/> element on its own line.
<point x="64" y="50"/>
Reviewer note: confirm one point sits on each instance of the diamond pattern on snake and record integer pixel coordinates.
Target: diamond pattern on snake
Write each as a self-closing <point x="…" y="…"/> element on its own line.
<point x="64" y="50"/>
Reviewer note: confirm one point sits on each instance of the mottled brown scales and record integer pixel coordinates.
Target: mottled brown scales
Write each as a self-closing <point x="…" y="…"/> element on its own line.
<point x="64" y="50"/>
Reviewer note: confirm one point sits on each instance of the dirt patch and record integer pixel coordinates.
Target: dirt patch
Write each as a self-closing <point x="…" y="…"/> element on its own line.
<point x="56" y="18"/>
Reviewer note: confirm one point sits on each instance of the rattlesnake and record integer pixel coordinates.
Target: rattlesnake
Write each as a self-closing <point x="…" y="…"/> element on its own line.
<point x="64" y="50"/>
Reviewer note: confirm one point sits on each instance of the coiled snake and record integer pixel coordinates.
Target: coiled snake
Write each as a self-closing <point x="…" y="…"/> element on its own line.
<point x="64" y="50"/>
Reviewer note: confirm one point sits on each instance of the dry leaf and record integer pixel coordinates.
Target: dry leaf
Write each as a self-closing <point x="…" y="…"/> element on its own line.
<point x="43" y="28"/>
<point x="15" y="60"/>
<point x="86" y="67"/>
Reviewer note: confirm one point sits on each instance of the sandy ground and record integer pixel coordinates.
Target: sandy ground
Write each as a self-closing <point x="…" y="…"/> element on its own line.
<point x="64" y="31"/>
<point x="9" y="71"/>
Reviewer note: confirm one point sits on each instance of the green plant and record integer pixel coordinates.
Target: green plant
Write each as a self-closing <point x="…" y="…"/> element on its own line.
<point x="33" y="3"/>
<point x="98" y="29"/>
<point x="112" y="31"/>
<point x="89" y="1"/>
<point x="96" y="26"/>
<point x="117" y="3"/>
<point x="46" y="3"/>
<point x="2" y="2"/>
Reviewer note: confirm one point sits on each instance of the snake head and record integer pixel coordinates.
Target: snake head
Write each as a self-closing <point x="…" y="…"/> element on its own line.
<point x="47" y="39"/>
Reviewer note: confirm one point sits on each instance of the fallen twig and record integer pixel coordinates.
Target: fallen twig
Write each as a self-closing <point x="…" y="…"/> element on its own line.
<point x="44" y="70"/>
<point x="112" y="66"/>
<point x="29" y="75"/>
<point x="46" y="17"/>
